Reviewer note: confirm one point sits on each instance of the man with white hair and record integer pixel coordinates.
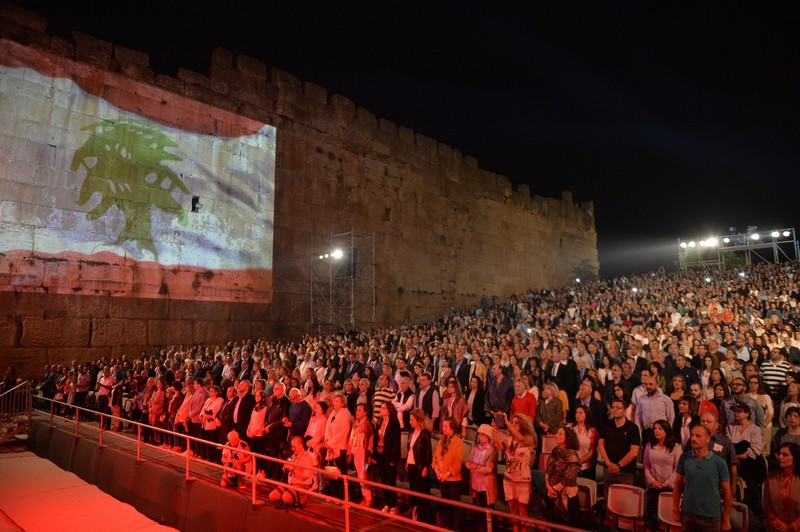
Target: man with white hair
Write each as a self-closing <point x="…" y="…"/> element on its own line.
<point x="404" y="403"/>
<point x="276" y="431"/>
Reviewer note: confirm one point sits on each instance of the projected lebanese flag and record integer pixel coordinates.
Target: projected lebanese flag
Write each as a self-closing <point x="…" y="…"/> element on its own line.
<point x="117" y="187"/>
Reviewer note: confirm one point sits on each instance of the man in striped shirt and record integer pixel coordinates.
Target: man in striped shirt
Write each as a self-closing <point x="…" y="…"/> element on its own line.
<point x="774" y="372"/>
<point x="384" y="393"/>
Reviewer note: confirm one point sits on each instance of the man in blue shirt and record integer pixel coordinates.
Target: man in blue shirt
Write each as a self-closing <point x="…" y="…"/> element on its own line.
<point x="700" y="475"/>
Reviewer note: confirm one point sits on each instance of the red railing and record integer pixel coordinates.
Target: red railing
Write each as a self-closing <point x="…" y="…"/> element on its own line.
<point x="491" y="514"/>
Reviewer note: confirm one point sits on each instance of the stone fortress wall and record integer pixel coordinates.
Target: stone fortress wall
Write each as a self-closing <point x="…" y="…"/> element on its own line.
<point x="446" y="231"/>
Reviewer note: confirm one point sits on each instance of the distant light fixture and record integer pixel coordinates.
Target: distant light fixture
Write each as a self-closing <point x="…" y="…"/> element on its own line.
<point x="702" y="243"/>
<point x="321" y="257"/>
<point x="711" y="242"/>
<point x="326" y="255"/>
<point x="726" y="240"/>
<point x="683" y="245"/>
<point x="337" y="254"/>
<point x="708" y="279"/>
<point x="774" y="234"/>
<point x="786" y="233"/>
<point x="577" y="279"/>
<point x="692" y="244"/>
<point x="635" y="289"/>
<point x="755" y="236"/>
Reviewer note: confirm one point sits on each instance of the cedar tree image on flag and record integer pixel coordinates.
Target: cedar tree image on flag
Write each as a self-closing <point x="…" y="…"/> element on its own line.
<point x="111" y="186"/>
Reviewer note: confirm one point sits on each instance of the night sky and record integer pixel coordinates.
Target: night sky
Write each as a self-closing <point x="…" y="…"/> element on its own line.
<point x="675" y="122"/>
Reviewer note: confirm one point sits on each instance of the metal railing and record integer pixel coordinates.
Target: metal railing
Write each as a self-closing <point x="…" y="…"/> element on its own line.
<point x="16" y="409"/>
<point x="347" y="505"/>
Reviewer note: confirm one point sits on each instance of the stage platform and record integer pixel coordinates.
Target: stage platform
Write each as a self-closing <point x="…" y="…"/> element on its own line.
<point x="35" y="494"/>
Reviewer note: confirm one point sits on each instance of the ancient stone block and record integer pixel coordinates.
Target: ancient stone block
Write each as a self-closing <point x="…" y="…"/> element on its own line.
<point x="9" y="331"/>
<point x="38" y="332"/>
<point x="315" y="92"/>
<point x="127" y="56"/>
<point x="221" y="59"/>
<point x="110" y="332"/>
<point x="193" y="78"/>
<point x="251" y="66"/>
<point x="142" y="308"/>
<point x="172" y="331"/>
<point x="75" y="306"/>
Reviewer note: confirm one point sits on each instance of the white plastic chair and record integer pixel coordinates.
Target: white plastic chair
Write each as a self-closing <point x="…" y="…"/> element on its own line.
<point x="665" y="512"/>
<point x="741" y="517"/>
<point x="625" y="505"/>
<point x="587" y="497"/>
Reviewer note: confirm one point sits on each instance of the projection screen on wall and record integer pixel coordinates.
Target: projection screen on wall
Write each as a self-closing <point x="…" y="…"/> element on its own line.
<point x="110" y="186"/>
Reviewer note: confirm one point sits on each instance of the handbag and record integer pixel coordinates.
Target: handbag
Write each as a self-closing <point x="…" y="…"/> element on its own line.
<point x="331" y="471"/>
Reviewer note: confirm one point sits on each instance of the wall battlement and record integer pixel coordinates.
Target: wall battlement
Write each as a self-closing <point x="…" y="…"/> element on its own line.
<point x="445" y="230"/>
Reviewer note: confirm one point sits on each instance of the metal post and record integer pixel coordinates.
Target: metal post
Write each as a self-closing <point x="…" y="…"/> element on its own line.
<point x="102" y="428"/>
<point x="488" y="522"/>
<point x="187" y="457"/>
<point x="253" y="478"/>
<point x="346" y="504"/>
<point x="52" y="407"/>
<point x="77" y="421"/>
<point x="138" y="443"/>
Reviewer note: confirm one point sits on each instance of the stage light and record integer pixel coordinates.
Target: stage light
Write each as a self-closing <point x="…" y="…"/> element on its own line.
<point x="692" y="244"/>
<point x="337" y="254"/>
<point x="702" y="243"/>
<point x="683" y="245"/>
<point x="321" y="257"/>
<point x="774" y="234"/>
<point x="711" y="242"/>
<point x="326" y="255"/>
<point x="786" y="233"/>
<point x="726" y="240"/>
<point x="755" y="236"/>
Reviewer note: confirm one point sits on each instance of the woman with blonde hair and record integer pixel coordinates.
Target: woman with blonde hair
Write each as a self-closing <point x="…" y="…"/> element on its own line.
<point x="418" y="463"/>
<point x="550" y="410"/>
<point x="518" y="447"/>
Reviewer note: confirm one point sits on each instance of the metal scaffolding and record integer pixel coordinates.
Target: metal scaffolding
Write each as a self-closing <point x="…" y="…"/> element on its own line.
<point x="740" y="249"/>
<point x="343" y="283"/>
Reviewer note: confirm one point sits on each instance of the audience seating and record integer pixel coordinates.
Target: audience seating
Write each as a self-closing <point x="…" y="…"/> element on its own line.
<point x="625" y="505"/>
<point x="665" y="512"/>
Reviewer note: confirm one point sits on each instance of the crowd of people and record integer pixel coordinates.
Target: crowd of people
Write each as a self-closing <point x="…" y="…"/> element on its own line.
<point x="629" y="378"/>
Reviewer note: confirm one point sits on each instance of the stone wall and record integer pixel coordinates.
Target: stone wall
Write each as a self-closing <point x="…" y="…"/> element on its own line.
<point x="446" y="231"/>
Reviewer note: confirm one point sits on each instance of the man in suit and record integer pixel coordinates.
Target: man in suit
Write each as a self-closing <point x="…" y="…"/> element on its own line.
<point x="688" y="373"/>
<point x="564" y="372"/>
<point x="245" y="374"/>
<point x="791" y="353"/>
<point x="637" y="360"/>
<point x="245" y="402"/>
<point x="587" y="399"/>
<point x="353" y="366"/>
<point x="461" y="369"/>
<point x="225" y="414"/>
